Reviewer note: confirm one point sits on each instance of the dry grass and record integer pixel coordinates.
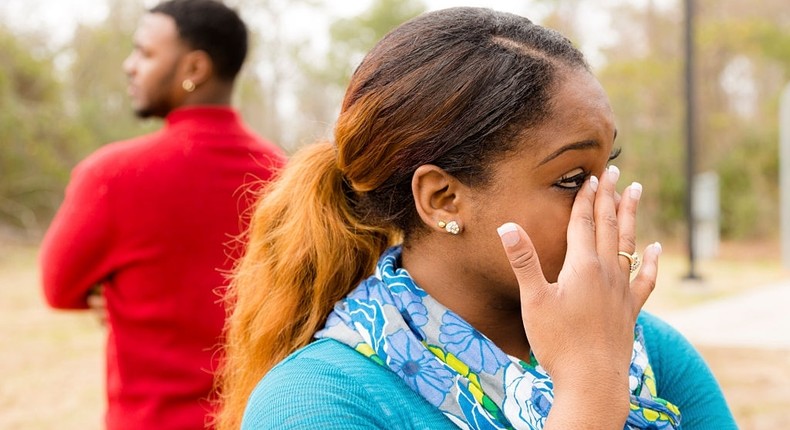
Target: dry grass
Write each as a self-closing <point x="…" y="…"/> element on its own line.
<point x="51" y="363"/>
<point x="737" y="269"/>
<point x="756" y="384"/>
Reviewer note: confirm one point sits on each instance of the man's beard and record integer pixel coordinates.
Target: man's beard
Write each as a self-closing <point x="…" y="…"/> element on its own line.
<point x="157" y="107"/>
<point x="143" y="113"/>
<point x="155" y="111"/>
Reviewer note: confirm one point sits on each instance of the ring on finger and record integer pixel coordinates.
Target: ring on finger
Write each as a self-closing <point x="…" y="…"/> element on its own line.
<point x="633" y="260"/>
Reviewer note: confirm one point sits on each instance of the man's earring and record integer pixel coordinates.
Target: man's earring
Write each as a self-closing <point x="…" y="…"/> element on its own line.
<point x="188" y="85"/>
<point x="451" y="227"/>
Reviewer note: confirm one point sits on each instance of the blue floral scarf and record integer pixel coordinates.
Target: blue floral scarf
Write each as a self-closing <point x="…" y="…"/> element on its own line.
<point x="392" y="321"/>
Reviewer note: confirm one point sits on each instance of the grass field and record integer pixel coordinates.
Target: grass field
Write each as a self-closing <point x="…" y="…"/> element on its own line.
<point x="51" y="364"/>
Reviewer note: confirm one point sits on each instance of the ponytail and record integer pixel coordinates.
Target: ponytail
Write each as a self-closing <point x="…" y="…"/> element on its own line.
<point x="306" y="250"/>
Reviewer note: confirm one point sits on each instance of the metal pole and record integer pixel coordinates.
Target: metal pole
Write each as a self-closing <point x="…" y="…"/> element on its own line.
<point x="690" y="134"/>
<point x="784" y="173"/>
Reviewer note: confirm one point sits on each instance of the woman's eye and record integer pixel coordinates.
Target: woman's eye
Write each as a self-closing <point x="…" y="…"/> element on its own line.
<point x="572" y="180"/>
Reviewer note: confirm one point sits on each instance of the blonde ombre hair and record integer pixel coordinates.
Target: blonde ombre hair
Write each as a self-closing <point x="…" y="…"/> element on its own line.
<point x="454" y="88"/>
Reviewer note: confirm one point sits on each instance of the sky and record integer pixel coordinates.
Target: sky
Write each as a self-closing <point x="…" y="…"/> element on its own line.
<point x="56" y="19"/>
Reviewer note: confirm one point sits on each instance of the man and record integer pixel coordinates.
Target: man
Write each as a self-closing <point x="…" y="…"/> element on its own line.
<point x="148" y="222"/>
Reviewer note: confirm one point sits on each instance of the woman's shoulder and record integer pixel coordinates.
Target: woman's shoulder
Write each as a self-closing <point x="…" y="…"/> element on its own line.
<point x="330" y="385"/>
<point x="668" y="349"/>
<point x="653" y="326"/>
<point x="683" y="377"/>
<point x="663" y="342"/>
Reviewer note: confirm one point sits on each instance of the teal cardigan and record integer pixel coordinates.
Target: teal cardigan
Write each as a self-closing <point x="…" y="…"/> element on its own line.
<point x="327" y="385"/>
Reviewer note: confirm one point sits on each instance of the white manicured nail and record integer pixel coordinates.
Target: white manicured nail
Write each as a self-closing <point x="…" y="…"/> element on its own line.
<point x="508" y="233"/>
<point x="614" y="173"/>
<point x="635" y="190"/>
<point x="658" y="248"/>
<point x="594" y="183"/>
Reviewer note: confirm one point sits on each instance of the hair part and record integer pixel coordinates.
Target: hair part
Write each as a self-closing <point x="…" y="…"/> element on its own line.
<point x="461" y="99"/>
<point x="456" y="88"/>
<point x="212" y="27"/>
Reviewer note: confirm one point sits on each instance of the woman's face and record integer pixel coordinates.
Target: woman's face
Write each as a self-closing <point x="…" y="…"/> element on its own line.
<point x="535" y="186"/>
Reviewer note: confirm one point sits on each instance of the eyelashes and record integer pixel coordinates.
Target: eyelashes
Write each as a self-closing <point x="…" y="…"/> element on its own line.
<point x="615" y="153"/>
<point x="573" y="181"/>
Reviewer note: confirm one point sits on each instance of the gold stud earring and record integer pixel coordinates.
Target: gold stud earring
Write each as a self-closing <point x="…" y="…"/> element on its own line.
<point x="451" y="227"/>
<point x="188" y="85"/>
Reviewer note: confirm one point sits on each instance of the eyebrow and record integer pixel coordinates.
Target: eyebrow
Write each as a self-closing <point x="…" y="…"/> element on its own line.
<point x="584" y="144"/>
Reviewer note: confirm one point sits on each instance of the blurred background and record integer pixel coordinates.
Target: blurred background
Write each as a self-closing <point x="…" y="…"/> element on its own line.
<point x="62" y="95"/>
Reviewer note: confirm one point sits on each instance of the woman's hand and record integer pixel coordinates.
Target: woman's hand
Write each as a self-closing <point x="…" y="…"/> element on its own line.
<point x="581" y="328"/>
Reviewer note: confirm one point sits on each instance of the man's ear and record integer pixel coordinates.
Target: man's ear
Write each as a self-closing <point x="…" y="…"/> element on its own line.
<point x="197" y="67"/>
<point x="438" y="196"/>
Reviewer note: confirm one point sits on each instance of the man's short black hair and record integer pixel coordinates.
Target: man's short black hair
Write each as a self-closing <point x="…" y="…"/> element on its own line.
<point x="210" y="26"/>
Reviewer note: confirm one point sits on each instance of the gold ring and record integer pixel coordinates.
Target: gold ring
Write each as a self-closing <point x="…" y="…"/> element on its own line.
<point x="633" y="260"/>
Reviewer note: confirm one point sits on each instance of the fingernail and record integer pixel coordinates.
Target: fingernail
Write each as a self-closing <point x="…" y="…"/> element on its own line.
<point x="635" y="190"/>
<point x="508" y="233"/>
<point x="594" y="183"/>
<point x="658" y="248"/>
<point x="614" y="173"/>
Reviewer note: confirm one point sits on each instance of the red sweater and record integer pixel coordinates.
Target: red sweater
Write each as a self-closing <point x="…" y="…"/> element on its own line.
<point x="154" y="220"/>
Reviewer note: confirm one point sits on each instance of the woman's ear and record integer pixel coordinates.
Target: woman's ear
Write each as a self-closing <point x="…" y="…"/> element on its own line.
<point x="437" y="197"/>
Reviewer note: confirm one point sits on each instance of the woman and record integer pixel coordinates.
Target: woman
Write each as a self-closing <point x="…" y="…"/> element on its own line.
<point x="479" y="142"/>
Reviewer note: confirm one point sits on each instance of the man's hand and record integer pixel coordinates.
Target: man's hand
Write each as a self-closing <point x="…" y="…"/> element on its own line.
<point x="97" y="304"/>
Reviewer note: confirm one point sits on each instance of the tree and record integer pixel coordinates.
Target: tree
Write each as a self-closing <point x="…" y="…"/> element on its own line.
<point x="642" y="75"/>
<point x="56" y="106"/>
<point x="745" y="63"/>
<point x="30" y="116"/>
<point x="96" y="83"/>
<point x="743" y="54"/>
<point x="324" y="82"/>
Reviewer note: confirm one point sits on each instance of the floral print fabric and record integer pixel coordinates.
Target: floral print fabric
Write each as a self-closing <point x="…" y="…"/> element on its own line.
<point x="392" y="321"/>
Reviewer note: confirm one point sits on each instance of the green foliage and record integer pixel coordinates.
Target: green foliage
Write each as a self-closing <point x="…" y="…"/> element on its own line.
<point x="58" y="105"/>
<point x="749" y="175"/>
<point x="737" y="128"/>
<point x="29" y="97"/>
<point x="353" y="37"/>
<point x="97" y="84"/>
<point x="743" y="146"/>
<point x="52" y="116"/>
<point x="349" y="39"/>
<point x="646" y="96"/>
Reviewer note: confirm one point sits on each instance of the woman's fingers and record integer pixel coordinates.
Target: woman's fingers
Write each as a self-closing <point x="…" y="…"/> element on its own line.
<point x="626" y="221"/>
<point x="602" y="223"/>
<point x="581" y="226"/>
<point x="645" y="281"/>
<point x="606" y="222"/>
<point x="523" y="259"/>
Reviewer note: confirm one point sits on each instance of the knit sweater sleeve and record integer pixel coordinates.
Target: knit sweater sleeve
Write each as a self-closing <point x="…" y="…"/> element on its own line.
<point x="74" y="254"/>
<point x="684" y="379"/>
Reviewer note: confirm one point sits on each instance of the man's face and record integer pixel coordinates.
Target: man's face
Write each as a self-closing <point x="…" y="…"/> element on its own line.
<point x="152" y="66"/>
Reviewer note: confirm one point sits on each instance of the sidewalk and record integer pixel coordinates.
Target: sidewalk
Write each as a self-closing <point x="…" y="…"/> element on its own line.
<point x="759" y="319"/>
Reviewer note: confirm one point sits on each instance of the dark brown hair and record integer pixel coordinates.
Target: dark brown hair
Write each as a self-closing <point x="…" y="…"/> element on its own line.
<point x="454" y="88"/>
<point x="451" y="88"/>
<point x="210" y="26"/>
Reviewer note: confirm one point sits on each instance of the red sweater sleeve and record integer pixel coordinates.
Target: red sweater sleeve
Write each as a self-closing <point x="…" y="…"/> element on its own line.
<point x="74" y="253"/>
